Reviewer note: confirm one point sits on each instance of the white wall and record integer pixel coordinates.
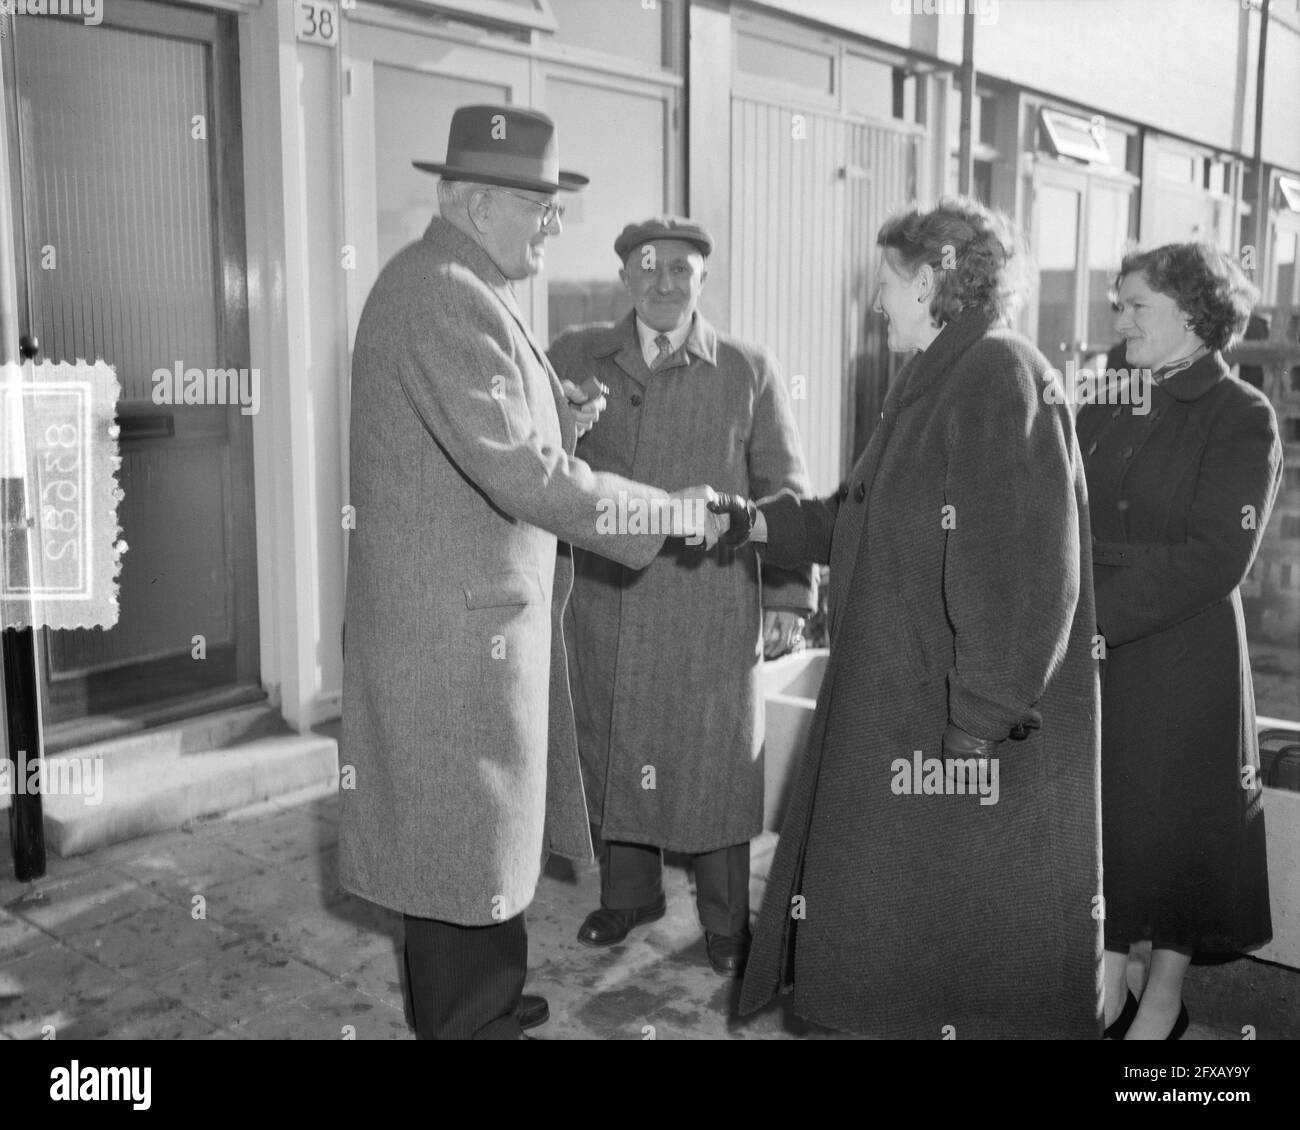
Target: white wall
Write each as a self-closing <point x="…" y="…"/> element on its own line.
<point x="297" y="331"/>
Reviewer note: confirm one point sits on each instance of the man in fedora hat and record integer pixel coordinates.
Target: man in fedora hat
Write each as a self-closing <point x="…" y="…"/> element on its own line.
<point x="459" y="758"/>
<point x="686" y="404"/>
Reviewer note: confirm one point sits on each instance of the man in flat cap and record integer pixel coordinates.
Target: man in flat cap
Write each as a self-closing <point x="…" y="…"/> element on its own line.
<point x="459" y="763"/>
<point x="665" y="660"/>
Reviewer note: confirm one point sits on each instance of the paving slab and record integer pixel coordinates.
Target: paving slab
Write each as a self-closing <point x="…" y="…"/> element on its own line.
<point x="96" y="897"/>
<point x="56" y="986"/>
<point x="336" y="1013"/>
<point x="19" y="937"/>
<point x="186" y="866"/>
<point x="134" y="1012"/>
<point x="245" y="980"/>
<point x="148" y="945"/>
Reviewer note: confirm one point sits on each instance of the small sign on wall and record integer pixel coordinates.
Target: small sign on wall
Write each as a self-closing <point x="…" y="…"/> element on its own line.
<point x="318" y="22"/>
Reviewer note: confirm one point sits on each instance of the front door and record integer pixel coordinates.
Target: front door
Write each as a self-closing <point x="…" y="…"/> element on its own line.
<point x="125" y="158"/>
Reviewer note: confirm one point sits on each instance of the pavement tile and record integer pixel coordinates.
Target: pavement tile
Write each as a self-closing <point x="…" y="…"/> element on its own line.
<point x="327" y="1015"/>
<point x="56" y="869"/>
<point x="246" y="979"/>
<point x="132" y="1013"/>
<point x="54" y="986"/>
<point x="338" y="939"/>
<point x="187" y="866"/>
<point x="380" y="976"/>
<point x="280" y="837"/>
<point x="19" y="938"/>
<point x="156" y="941"/>
<point x="93" y="898"/>
<point x="319" y="871"/>
<point x="157" y="844"/>
<point x="261" y="903"/>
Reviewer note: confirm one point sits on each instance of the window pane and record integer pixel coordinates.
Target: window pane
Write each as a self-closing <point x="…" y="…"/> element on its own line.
<point x="1179" y="167"/>
<point x="1108" y="228"/>
<point x="617" y="139"/>
<point x="1284" y="267"/>
<point x="619" y="27"/>
<point x="987" y="108"/>
<point x="412" y="117"/>
<point x="795" y="65"/>
<point x="1056" y="230"/>
<point x="1117" y="144"/>
<point x="869" y="87"/>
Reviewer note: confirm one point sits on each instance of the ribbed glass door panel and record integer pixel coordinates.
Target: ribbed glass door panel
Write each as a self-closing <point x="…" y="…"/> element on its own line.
<point x="117" y="137"/>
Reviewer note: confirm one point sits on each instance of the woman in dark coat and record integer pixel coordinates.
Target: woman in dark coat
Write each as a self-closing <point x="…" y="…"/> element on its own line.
<point x="1180" y="495"/>
<point x="901" y="904"/>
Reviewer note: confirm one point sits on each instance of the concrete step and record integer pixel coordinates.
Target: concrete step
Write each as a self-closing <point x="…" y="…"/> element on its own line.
<point x="155" y="790"/>
<point x="219" y="730"/>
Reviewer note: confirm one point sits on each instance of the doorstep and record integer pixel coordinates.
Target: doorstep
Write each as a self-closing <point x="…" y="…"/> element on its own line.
<point x="159" y="779"/>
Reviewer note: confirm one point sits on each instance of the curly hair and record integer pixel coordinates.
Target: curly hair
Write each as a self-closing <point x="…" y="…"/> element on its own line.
<point x="1210" y="289"/>
<point x="978" y="256"/>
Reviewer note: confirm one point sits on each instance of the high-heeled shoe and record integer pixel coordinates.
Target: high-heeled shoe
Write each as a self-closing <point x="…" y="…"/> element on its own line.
<point x="1121" y="1023"/>
<point x="1180" y="1025"/>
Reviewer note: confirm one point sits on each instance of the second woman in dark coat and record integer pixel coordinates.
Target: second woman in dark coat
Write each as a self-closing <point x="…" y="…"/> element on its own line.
<point x="1180" y="496"/>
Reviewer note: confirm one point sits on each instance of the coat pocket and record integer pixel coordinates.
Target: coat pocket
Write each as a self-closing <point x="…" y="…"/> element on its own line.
<point x="496" y="590"/>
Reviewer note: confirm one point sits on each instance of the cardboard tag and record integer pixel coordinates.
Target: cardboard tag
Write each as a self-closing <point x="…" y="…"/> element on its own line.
<point x="60" y="550"/>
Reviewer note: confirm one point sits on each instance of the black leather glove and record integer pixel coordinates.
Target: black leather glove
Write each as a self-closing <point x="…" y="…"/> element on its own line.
<point x="957" y="743"/>
<point x="743" y="514"/>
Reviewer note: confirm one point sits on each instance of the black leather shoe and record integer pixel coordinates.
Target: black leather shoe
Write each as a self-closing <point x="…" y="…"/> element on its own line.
<point x="532" y="1011"/>
<point x="727" y="952"/>
<point x="606" y="927"/>
<point x="1124" y="1020"/>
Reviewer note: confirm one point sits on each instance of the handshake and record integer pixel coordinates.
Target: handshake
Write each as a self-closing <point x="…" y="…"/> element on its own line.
<point x="701" y="515"/>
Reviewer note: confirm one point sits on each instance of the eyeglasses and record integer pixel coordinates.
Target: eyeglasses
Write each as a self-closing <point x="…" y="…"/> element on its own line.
<point x="550" y="210"/>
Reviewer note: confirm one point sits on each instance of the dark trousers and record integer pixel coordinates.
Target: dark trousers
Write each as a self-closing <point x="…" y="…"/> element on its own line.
<point x="631" y="875"/>
<point x="465" y="981"/>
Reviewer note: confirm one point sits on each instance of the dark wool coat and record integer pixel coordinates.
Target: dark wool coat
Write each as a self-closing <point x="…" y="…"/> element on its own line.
<point x="897" y="915"/>
<point x="665" y="662"/>
<point x="1180" y="496"/>
<point x="455" y="683"/>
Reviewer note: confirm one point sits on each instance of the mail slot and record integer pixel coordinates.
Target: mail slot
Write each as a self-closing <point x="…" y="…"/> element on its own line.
<point x="146" y="425"/>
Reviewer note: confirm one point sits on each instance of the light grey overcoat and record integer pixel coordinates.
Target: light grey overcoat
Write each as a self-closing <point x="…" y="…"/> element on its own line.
<point x="455" y="683"/>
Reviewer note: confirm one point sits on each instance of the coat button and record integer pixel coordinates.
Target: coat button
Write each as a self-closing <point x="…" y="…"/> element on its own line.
<point x="860" y="492"/>
<point x="636" y="400"/>
<point x="1122" y="504"/>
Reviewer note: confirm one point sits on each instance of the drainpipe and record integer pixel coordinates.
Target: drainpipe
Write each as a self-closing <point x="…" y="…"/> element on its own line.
<point x="965" y="164"/>
<point x="1260" y="204"/>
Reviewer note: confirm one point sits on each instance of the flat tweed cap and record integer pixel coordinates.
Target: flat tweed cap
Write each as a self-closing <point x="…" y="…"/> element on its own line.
<point x="662" y="227"/>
